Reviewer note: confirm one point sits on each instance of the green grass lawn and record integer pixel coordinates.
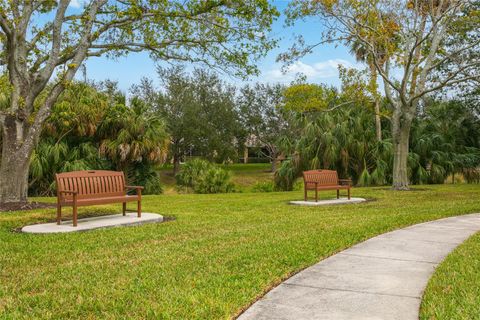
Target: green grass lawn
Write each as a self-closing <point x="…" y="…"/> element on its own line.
<point x="220" y="254"/>
<point x="245" y="176"/>
<point x="454" y="290"/>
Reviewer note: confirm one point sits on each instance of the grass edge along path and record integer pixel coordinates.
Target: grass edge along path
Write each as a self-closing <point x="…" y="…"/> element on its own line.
<point x="453" y="292"/>
<point x="220" y="254"/>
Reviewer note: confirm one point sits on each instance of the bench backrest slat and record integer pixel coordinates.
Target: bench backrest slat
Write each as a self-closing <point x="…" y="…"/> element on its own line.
<point x="322" y="177"/>
<point x="91" y="183"/>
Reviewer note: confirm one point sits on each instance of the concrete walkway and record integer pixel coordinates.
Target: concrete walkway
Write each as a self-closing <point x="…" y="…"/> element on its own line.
<point x="381" y="278"/>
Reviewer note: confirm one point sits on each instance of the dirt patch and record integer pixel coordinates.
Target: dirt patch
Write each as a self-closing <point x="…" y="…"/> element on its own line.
<point x="21" y="206"/>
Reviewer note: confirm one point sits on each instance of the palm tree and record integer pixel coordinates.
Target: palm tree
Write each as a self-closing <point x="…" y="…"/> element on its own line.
<point x="362" y="55"/>
<point x="444" y="142"/>
<point x="342" y="139"/>
<point x="132" y="135"/>
<point x="52" y="156"/>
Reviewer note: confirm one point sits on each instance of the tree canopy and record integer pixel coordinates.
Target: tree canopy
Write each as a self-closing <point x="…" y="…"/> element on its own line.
<point x="45" y="43"/>
<point x="416" y="47"/>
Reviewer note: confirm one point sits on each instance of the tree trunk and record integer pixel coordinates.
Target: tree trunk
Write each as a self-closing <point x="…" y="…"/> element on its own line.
<point x="15" y="162"/>
<point x="401" y="135"/>
<point x="176" y="164"/>
<point x="274" y="158"/>
<point x="378" y="122"/>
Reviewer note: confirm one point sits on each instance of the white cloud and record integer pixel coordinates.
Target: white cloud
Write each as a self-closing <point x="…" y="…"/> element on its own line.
<point x="316" y="71"/>
<point x="76" y="3"/>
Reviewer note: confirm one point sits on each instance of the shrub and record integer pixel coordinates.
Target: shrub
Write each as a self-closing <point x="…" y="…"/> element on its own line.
<point x="204" y="177"/>
<point x="298" y="185"/>
<point x="263" y="186"/>
<point x="472" y="175"/>
<point x="365" y="179"/>
<point x="153" y="186"/>
<point x="145" y="175"/>
<point x="286" y="176"/>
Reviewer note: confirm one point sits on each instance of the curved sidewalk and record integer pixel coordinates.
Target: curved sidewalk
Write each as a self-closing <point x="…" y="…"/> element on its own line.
<point x="381" y="278"/>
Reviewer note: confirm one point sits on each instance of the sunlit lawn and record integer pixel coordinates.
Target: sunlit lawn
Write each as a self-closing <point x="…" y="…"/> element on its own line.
<point x="454" y="290"/>
<point x="220" y="254"/>
<point x="244" y="176"/>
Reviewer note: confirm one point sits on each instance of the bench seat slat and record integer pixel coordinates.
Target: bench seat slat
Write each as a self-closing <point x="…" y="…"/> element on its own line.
<point x="103" y="200"/>
<point x="329" y="187"/>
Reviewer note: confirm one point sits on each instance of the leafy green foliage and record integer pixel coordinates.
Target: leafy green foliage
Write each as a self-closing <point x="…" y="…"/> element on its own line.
<point x="46" y="43"/>
<point x="204" y="177"/>
<point x="52" y="157"/>
<point x="132" y="135"/>
<point x="199" y="112"/>
<point x="286" y="175"/>
<point x="89" y="129"/>
<point x="444" y="142"/>
<point x="305" y="97"/>
<point x="432" y="46"/>
<point x="263" y="186"/>
<point x="147" y="175"/>
<point x="263" y="119"/>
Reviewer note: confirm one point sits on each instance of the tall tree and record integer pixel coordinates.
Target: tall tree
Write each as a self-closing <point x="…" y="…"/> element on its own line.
<point x="219" y="122"/>
<point x="418" y="47"/>
<point x="262" y="117"/>
<point x="46" y="42"/>
<point x="199" y="112"/>
<point x="364" y="56"/>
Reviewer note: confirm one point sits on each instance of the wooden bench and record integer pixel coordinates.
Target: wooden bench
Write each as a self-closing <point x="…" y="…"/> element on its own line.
<point x="87" y="188"/>
<point x="324" y="180"/>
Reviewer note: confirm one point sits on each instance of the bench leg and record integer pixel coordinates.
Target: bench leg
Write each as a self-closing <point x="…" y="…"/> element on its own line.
<point x="75" y="215"/>
<point x="338" y="193"/>
<point x="75" y="211"/>
<point x="139" y="203"/>
<point x="124" y="208"/>
<point x="305" y="193"/>
<point x="59" y="213"/>
<point x="348" y="193"/>
<point x="316" y="195"/>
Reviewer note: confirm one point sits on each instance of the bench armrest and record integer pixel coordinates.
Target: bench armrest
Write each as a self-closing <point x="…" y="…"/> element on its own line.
<point x="134" y="187"/>
<point x="345" y="182"/>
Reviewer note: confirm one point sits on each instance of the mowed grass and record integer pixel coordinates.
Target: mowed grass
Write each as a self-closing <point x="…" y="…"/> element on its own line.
<point x="220" y="254"/>
<point x="245" y="176"/>
<point x="454" y="290"/>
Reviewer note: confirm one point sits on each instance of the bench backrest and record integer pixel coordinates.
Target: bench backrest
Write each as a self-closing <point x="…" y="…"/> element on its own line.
<point x="322" y="177"/>
<point x="90" y="184"/>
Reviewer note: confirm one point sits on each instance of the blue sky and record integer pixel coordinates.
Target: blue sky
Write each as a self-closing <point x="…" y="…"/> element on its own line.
<point x="318" y="67"/>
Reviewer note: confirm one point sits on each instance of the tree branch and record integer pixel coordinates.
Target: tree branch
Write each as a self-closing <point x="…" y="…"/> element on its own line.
<point x="5" y="25"/>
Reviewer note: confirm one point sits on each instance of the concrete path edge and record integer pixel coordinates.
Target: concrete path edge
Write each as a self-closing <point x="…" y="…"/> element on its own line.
<point x="381" y="278"/>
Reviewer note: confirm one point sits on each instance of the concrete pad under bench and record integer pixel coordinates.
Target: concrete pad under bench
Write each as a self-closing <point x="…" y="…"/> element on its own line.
<point x="115" y="220"/>
<point x="328" y="202"/>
